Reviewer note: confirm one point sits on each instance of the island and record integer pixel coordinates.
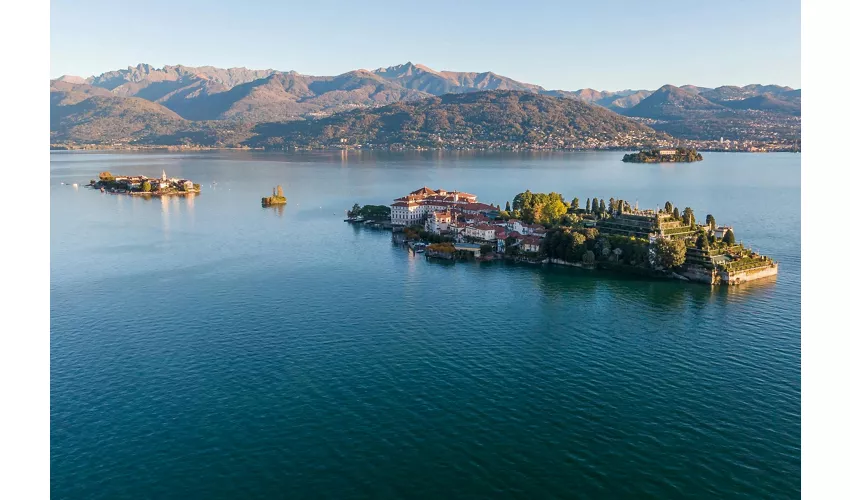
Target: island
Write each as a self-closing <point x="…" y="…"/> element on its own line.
<point x="144" y="186"/>
<point x="376" y="216"/>
<point x="671" y="155"/>
<point x="546" y="228"/>
<point x="277" y="198"/>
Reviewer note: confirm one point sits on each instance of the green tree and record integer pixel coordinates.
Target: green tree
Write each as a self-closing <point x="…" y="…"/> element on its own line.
<point x="676" y="213"/>
<point x="729" y="238"/>
<point x="587" y="206"/>
<point x="612" y="205"/>
<point x="355" y="210"/>
<point x="106" y="176"/>
<point x="594" y="207"/>
<point x="621" y="206"/>
<point x="523" y="203"/>
<point x="602" y="208"/>
<point x="702" y="241"/>
<point x="588" y="257"/>
<point x="554" y="208"/>
<point x="574" y="204"/>
<point x="668" y="207"/>
<point x="507" y="206"/>
<point x="576" y="246"/>
<point x="669" y="253"/>
<point x="146" y="186"/>
<point x="709" y="220"/>
<point x="688" y="216"/>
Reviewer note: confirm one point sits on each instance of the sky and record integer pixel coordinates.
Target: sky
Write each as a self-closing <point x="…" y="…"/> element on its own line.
<point x="600" y="44"/>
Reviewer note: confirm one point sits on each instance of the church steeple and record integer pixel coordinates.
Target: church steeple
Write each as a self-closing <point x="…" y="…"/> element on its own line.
<point x="163" y="175"/>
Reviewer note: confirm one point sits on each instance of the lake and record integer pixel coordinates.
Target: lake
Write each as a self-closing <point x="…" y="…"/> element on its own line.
<point x="206" y="347"/>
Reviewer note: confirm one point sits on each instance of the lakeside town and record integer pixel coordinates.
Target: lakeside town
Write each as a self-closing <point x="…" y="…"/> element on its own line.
<point x="142" y="185"/>
<point x="543" y="228"/>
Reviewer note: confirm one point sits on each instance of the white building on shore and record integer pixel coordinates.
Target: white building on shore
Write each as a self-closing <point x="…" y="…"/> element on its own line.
<point x="413" y="208"/>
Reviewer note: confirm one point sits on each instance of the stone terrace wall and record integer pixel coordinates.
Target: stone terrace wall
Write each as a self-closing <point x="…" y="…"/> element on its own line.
<point x="749" y="274"/>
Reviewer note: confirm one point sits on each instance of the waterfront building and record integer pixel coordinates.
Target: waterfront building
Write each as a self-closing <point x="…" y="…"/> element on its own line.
<point x="530" y="244"/>
<point x="483" y="232"/>
<point x="437" y="222"/>
<point x="413" y="208"/>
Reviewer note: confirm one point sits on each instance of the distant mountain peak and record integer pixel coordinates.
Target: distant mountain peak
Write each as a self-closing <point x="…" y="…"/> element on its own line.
<point x="71" y="79"/>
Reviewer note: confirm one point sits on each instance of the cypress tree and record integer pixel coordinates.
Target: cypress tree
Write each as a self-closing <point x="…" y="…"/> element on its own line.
<point x="507" y="206"/>
<point x="668" y="207"/>
<point x="587" y="206"/>
<point x="676" y="213"/>
<point x="595" y="205"/>
<point x="729" y="238"/>
<point x="702" y="240"/>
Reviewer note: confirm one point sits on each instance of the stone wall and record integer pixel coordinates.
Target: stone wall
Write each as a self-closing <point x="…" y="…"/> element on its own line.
<point x="749" y="275"/>
<point x="701" y="275"/>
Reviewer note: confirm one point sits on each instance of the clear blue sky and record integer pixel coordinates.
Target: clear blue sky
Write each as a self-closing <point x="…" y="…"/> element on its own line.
<point x="601" y="44"/>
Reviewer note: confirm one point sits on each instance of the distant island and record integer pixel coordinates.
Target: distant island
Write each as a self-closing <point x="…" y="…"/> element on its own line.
<point x="144" y="186"/>
<point x="277" y="198"/>
<point x="541" y="228"/>
<point x="677" y="155"/>
<point x="408" y="106"/>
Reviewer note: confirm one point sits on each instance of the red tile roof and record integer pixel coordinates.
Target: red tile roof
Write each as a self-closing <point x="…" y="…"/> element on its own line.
<point x="424" y="190"/>
<point x="483" y="207"/>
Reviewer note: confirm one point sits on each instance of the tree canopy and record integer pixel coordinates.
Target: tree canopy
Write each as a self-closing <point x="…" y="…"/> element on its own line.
<point x="669" y="253"/>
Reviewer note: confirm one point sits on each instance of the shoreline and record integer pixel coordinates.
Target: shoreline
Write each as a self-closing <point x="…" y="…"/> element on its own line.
<point x="687" y="275"/>
<point x="396" y="150"/>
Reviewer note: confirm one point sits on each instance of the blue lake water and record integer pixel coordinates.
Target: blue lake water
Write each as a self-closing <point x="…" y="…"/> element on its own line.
<point x="206" y="347"/>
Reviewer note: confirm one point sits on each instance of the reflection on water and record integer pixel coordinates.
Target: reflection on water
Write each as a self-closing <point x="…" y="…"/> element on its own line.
<point x="559" y="282"/>
<point x="166" y="203"/>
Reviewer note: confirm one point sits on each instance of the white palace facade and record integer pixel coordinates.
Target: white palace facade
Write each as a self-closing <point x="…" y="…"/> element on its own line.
<point x="414" y="208"/>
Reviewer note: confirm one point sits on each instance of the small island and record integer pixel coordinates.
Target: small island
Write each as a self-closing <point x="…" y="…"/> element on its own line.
<point x="277" y="198"/>
<point x="549" y="229"/>
<point x="677" y="155"/>
<point x="144" y="186"/>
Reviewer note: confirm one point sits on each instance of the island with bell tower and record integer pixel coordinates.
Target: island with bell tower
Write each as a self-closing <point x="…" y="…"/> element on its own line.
<point x="144" y="186"/>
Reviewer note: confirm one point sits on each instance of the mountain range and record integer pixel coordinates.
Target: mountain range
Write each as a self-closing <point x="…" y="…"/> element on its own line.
<point x="243" y="96"/>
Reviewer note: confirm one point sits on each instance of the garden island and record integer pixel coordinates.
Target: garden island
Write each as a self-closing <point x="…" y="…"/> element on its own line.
<point x="543" y="228"/>
<point x="141" y="185"/>
<point x="673" y="155"/>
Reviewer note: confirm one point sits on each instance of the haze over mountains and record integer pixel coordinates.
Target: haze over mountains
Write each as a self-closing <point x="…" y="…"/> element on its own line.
<point x="243" y="96"/>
